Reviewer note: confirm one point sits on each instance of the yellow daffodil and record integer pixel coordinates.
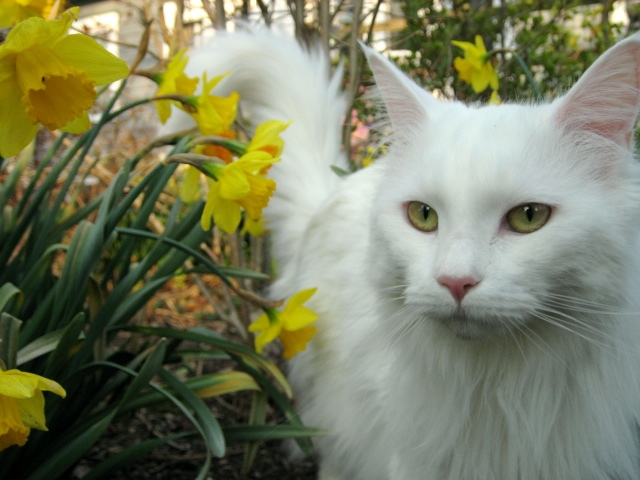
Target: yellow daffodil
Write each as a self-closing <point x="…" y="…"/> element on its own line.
<point x="253" y="227"/>
<point x="495" y="99"/>
<point x="13" y="12"/>
<point x="292" y="325"/>
<point x="267" y="138"/>
<point x="215" y="114"/>
<point x="239" y="185"/>
<point x="173" y="81"/>
<point x="190" y="188"/>
<point x="22" y="405"/>
<point x="48" y="77"/>
<point x="476" y="68"/>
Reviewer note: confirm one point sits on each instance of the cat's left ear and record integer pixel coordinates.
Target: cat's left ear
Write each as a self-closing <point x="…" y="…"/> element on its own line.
<point x="606" y="99"/>
<point x="405" y="101"/>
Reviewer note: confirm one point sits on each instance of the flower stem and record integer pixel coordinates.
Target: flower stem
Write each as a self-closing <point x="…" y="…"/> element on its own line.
<point x="525" y="69"/>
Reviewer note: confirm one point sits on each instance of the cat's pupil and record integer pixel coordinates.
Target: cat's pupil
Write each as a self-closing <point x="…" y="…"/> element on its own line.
<point x="529" y="211"/>
<point x="425" y="211"/>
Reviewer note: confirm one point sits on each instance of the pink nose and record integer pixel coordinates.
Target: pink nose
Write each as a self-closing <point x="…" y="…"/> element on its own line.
<point x="458" y="287"/>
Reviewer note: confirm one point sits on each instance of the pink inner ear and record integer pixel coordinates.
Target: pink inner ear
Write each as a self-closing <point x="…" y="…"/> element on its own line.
<point x="605" y="101"/>
<point x="400" y="95"/>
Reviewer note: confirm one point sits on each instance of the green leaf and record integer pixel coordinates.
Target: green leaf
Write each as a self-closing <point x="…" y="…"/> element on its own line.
<point x="9" y="331"/>
<point x="70" y="447"/>
<point x="71" y="451"/>
<point x="40" y="346"/>
<point x="212" y="433"/>
<point x="261" y="433"/>
<point x="8" y="292"/>
<point x="257" y="417"/>
<point x="205" y="386"/>
<point x="203" y="335"/>
<point x="67" y="342"/>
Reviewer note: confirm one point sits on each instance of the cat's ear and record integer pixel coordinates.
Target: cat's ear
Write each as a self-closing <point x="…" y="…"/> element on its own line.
<point x="404" y="100"/>
<point x="606" y="99"/>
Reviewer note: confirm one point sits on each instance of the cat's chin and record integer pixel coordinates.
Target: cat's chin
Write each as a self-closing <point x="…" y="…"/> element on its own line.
<point x="467" y="328"/>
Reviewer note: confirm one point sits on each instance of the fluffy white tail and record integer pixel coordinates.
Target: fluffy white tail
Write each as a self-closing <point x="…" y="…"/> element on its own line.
<point x="279" y="79"/>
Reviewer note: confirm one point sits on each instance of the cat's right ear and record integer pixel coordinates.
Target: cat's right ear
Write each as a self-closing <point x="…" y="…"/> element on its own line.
<point x="606" y="100"/>
<point x="406" y="102"/>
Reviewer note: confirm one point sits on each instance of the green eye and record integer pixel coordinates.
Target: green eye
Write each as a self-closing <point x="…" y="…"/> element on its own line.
<point x="422" y="216"/>
<point x="529" y="217"/>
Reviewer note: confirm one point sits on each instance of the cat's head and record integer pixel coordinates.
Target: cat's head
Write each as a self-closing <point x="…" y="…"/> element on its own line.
<point x="495" y="219"/>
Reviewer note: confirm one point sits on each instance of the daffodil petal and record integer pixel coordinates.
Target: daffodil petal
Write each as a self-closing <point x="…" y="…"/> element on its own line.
<point x="78" y="125"/>
<point x="190" y="189"/>
<point x="267" y="137"/>
<point x="259" y="324"/>
<point x="47" y="385"/>
<point x="268" y="328"/>
<point x="233" y="183"/>
<point x="298" y="318"/>
<point x="255" y="161"/>
<point x="36" y="30"/>
<point x="227" y="215"/>
<point x="14" y="383"/>
<point x="302" y="296"/>
<point x="32" y="411"/>
<point x="207" y="212"/>
<point x="17" y="129"/>
<point x="13" y="431"/>
<point x="84" y="53"/>
<point x="479" y="83"/>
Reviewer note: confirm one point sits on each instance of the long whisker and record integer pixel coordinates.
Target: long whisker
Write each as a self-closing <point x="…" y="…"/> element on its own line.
<point x="567" y="326"/>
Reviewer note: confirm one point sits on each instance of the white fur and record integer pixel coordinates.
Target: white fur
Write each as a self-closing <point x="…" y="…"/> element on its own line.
<point x="536" y="375"/>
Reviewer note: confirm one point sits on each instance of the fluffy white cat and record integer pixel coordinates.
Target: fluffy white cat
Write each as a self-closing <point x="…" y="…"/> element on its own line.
<point x="478" y="288"/>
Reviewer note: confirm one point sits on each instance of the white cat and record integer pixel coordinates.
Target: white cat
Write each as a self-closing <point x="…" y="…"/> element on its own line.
<point x="478" y="288"/>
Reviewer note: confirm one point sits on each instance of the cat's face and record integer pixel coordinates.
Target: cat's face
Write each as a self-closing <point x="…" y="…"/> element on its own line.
<point x="520" y="226"/>
<point x="496" y="219"/>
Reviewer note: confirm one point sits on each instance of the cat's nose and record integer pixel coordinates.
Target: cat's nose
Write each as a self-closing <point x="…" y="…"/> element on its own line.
<point x="458" y="287"/>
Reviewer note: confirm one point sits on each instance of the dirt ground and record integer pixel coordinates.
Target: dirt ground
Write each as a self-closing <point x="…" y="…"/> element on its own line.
<point x="182" y="459"/>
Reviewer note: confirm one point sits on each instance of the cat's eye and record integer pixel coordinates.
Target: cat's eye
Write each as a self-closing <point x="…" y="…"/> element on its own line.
<point x="529" y="217"/>
<point x="422" y="216"/>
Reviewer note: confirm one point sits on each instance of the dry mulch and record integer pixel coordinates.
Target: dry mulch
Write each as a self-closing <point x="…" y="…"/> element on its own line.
<point x="182" y="459"/>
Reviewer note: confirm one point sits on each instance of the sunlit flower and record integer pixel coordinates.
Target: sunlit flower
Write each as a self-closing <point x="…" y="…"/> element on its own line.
<point x="292" y="325"/>
<point x="495" y="99"/>
<point x="215" y="114"/>
<point x="13" y="12"/>
<point x="190" y="187"/>
<point x="48" y="77"/>
<point x="267" y="138"/>
<point x="173" y="81"/>
<point x="476" y="68"/>
<point x="256" y="228"/>
<point x="22" y="405"/>
<point x="239" y="185"/>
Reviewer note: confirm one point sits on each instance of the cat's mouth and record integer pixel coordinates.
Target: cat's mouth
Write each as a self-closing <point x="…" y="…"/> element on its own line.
<point x="467" y="327"/>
